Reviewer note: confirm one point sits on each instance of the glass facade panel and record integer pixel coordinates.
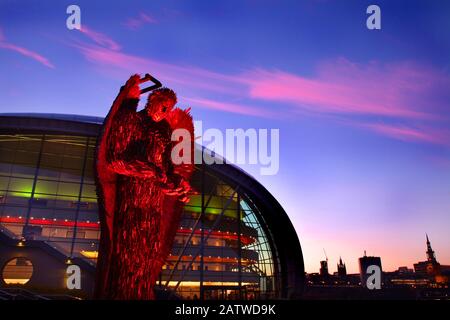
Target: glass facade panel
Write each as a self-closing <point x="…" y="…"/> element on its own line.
<point x="48" y="193"/>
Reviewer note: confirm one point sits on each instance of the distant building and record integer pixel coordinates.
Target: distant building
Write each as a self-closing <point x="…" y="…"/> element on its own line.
<point x="431" y="268"/>
<point x="324" y="268"/>
<point x="364" y="263"/>
<point x="341" y="269"/>
<point x="404" y="270"/>
<point x="405" y="277"/>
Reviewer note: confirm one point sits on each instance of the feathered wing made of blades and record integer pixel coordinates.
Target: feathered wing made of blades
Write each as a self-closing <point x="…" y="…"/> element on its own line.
<point x="106" y="192"/>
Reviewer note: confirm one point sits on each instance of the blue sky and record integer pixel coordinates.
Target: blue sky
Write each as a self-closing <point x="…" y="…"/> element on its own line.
<point x="363" y="115"/>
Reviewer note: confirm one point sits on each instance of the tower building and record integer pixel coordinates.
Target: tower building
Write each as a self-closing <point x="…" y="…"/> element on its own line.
<point x="341" y="269"/>
<point x="431" y="267"/>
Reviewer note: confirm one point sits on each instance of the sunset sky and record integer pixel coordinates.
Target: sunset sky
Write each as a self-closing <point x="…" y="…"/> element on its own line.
<point x="364" y="115"/>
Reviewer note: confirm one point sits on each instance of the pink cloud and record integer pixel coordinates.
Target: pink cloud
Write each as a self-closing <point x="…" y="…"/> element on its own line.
<point x="400" y="90"/>
<point x="415" y="94"/>
<point x="137" y="22"/>
<point x="24" y="51"/>
<point x="229" y="107"/>
<point x="100" y="38"/>
<point x="193" y="77"/>
<point x="411" y="134"/>
<point x="106" y="56"/>
<point x="406" y="92"/>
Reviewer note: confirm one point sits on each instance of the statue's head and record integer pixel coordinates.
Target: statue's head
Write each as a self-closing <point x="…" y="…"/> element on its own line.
<point x="160" y="102"/>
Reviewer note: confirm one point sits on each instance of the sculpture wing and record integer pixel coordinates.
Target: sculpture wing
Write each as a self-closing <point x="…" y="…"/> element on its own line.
<point x="106" y="195"/>
<point x="106" y="178"/>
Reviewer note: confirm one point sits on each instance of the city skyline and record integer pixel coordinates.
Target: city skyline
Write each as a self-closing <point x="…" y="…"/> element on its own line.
<point x="338" y="260"/>
<point x="363" y="115"/>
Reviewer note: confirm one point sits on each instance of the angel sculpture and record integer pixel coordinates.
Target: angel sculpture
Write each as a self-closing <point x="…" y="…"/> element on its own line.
<point x="141" y="191"/>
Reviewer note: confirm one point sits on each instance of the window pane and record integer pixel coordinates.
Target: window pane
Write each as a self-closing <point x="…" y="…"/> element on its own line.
<point x="66" y="214"/>
<point x="72" y="163"/>
<point x="69" y="189"/>
<point x="89" y="191"/>
<point x="9" y="142"/>
<point x="66" y="202"/>
<point x="22" y="185"/>
<point x="5" y="168"/>
<point x="51" y="160"/>
<point x="6" y="155"/>
<point x="14" y="211"/>
<point x="17" y="198"/>
<point x="30" y="142"/>
<point x="23" y="171"/>
<point x="46" y="187"/>
<point x="49" y="174"/>
<point x="4" y="183"/>
<point x="26" y="157"/>
<point x="70" y="175"/>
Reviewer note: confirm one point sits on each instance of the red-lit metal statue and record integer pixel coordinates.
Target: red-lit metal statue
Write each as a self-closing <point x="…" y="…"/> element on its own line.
<point x="141" y="191"/>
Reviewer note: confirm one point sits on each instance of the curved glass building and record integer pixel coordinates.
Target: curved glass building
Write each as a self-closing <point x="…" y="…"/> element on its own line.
<point x="234" y="242"/>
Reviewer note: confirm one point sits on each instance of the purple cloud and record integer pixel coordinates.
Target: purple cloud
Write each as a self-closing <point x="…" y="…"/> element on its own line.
<point x="137" y="22"/>
<point x="100" y="38"/>
<point x="413" y="95"/>
<point x="398" y="90"/>
<point x="4" y="44"/>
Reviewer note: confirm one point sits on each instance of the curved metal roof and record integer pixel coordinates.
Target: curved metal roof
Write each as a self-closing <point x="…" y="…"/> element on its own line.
<point x="280" y="228"/>
<point x="57" y="116"/>
<point x="55" y="123"/>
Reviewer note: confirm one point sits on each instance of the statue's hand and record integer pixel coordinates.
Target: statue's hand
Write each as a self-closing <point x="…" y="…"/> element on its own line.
<point x="184" y="191"/>
<point x="180" y="188"/>
<point x="185" y="186"/>
<point x="162" y="177"/>
<point x="132" y="90"/>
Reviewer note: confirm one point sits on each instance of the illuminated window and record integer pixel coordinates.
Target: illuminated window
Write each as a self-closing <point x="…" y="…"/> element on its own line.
<point x="17" y="271"/>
